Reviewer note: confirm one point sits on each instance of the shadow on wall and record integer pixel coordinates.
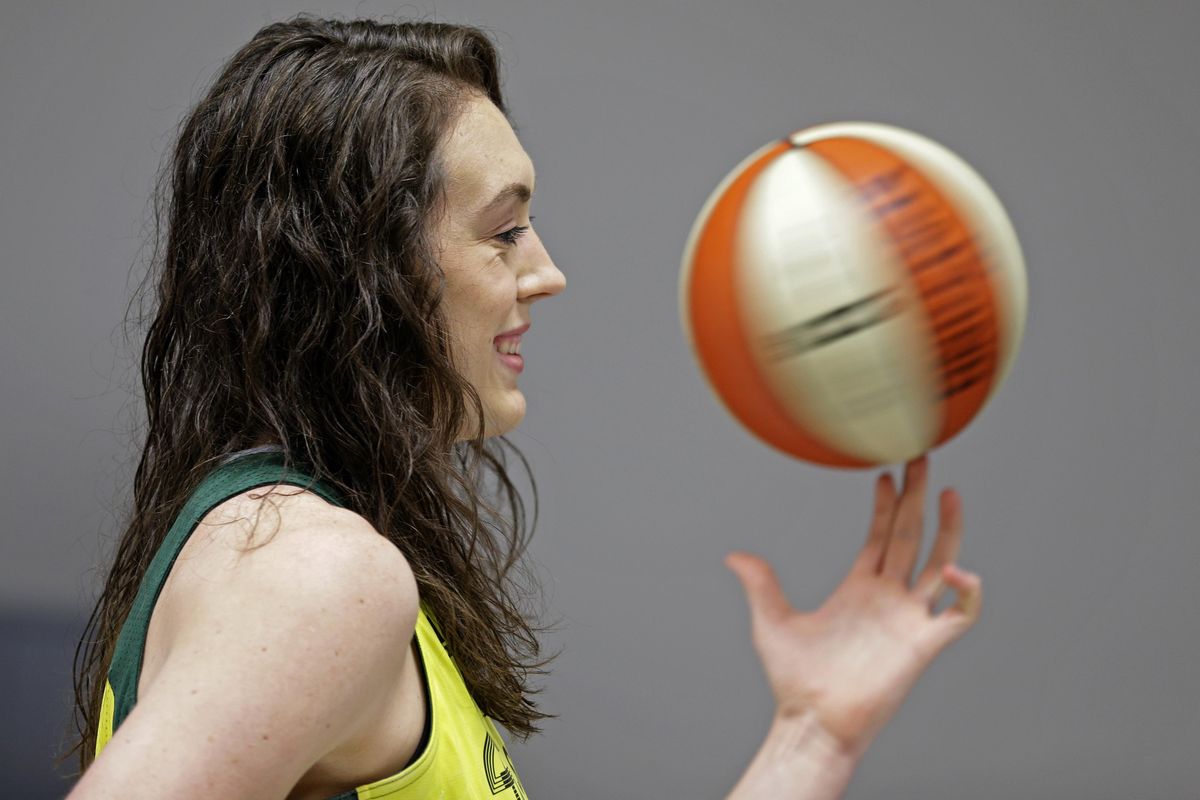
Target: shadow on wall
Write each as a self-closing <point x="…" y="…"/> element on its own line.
<point x="36" y="649"/>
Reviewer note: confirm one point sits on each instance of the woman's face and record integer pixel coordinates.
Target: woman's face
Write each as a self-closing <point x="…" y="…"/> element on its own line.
<point x="495" y="264"/>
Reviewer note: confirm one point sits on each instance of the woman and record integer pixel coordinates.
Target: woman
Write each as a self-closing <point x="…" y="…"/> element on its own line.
<point x="347" y="272"/>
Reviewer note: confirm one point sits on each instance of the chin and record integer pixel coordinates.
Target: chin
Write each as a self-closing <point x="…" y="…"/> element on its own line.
<point x="501" y="418"/>
<point x="505" y="418"/>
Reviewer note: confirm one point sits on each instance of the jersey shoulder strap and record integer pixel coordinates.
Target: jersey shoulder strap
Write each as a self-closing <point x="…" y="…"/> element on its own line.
<point x="461" y="753"/>
<point x="236" y="474"/>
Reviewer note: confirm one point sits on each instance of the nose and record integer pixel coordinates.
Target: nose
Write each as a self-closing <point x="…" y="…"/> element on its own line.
<point x="540" y="278"/>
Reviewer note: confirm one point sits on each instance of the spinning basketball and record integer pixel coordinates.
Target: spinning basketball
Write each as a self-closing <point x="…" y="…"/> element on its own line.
<point x="854" y="294"/>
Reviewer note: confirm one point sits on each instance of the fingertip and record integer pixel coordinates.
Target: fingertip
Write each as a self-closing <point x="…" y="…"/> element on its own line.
<point x="961" y="576"/>
<point x="917" y="469"/>
<point x="737" y="559"/>
<point x="752" y="568"/>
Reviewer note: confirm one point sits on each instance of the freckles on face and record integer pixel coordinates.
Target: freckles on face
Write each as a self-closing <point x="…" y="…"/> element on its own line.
<point x="486" y="168"/>
<point x="480" y="299"/>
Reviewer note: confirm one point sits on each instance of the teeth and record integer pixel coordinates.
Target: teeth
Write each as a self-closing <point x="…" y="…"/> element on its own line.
<point x="509" y="346"/>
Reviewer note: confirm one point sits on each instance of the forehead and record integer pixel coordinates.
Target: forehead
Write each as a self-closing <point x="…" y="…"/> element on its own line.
<point x="482" y="155"/>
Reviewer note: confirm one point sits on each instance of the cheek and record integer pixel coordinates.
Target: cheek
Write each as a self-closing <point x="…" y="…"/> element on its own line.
<point x="481" y="307"/>
<point x="492" y="295"/>
<point x="505" y="292"/>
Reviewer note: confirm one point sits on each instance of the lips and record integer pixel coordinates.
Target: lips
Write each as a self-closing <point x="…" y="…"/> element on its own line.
<point x="509" y="344"/>
<point x="508" y="347"/>
<point x="512" y="361"/>
<point x="514" y="333"/>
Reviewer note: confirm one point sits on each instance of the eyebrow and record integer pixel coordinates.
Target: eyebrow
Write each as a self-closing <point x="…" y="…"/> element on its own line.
<point x="518" y="191"/>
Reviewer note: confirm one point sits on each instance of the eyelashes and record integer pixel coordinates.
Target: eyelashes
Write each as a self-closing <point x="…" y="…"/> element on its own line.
<point x="510" y="236"/>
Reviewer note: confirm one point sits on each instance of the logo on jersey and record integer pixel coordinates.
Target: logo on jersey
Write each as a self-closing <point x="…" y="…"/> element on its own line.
<point x="499" y="770"/>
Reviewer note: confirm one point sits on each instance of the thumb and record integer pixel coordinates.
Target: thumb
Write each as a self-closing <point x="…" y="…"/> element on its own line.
<point x="953" y="622"/>
<point x="766" y="598"/>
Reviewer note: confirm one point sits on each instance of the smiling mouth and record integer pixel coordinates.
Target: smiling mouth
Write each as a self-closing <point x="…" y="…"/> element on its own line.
<point x="510" y="347"/>
<point x="512" y="361"/>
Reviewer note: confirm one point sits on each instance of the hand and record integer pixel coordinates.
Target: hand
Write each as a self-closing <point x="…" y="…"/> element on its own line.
<point x="850" y="664"/>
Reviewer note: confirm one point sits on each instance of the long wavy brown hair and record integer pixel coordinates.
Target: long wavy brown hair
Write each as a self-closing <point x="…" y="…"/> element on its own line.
<point x="297" y="300"/>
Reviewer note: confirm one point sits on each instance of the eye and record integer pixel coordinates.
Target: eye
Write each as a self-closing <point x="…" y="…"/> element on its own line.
<point x="510" y="236"/>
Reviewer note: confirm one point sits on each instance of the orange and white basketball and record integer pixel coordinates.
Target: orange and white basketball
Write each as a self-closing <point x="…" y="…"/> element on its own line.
<point x="854" y="294"/>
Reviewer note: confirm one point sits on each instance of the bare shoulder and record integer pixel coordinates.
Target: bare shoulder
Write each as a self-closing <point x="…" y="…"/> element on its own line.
<point x="292" y="545"/>
<point x="282" y="558"/>
<point x="282" y="633"/>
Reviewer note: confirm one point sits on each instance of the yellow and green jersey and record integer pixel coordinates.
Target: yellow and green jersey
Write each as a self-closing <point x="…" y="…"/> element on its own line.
<point x="461" y="753"/>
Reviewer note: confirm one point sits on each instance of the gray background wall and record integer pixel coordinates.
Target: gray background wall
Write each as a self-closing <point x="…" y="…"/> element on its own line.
<point x="1079" y="480"/>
